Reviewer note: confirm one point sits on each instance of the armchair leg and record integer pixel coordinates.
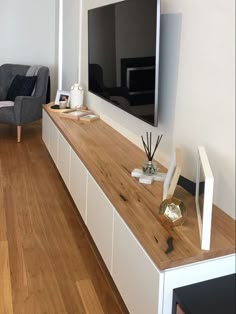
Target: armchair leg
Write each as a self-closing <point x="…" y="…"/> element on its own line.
<point x="18" y="133"/>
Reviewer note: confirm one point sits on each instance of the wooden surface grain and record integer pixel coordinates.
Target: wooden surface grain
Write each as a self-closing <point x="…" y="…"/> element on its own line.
<point x="89" y="297"/>
<point x="110" y="158"/>
<point x="45" y="248"/>
<point x="6" y="305"/>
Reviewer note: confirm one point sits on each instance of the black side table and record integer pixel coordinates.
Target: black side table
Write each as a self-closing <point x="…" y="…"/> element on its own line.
<point x="216" y="296"/>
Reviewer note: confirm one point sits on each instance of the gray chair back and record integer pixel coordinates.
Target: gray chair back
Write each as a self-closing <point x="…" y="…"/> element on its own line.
<point x="9" y="71"/>
<point x="7" y="74"/>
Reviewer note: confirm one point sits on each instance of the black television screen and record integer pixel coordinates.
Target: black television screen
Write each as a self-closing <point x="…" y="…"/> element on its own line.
<point x="123" y="56"/>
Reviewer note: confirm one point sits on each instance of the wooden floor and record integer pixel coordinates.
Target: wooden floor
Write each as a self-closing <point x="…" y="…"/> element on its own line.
<point x="48" y="263"/>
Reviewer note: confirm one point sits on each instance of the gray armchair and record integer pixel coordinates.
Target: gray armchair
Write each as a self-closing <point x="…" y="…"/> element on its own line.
<point x="23" y="109"/>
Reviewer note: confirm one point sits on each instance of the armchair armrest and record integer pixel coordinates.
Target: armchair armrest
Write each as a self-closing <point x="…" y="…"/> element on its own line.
<point x="27" y="109"/>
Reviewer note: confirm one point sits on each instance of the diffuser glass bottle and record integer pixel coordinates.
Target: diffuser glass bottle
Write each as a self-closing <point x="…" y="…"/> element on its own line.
<point x="150" y="167"/>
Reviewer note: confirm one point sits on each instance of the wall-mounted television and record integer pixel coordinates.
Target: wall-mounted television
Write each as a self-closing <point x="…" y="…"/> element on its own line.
<point x="123" y="56"/>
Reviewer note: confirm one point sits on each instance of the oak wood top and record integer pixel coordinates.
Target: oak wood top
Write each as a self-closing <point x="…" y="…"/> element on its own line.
<point x="110" y="158"/>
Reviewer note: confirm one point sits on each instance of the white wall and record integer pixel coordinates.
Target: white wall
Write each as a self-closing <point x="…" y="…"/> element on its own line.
<point x="70" y="43"/>
<point x="28" y="32"/>
<point x="197" y="105"/>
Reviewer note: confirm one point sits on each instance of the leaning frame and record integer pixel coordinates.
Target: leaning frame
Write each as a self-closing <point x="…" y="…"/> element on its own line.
<point x="204" y="214"/>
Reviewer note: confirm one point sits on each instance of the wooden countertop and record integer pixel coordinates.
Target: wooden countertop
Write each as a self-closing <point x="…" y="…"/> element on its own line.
<point x="110" y="158"/>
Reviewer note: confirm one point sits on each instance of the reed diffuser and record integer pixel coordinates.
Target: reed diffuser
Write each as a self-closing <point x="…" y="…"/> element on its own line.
<point x="149" y="167"/>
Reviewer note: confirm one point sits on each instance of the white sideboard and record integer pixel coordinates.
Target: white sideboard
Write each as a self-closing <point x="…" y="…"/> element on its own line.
<point x="145" y="286"/>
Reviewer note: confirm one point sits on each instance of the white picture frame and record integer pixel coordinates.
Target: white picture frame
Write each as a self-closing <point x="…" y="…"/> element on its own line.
<point x="172" y="175"/>
<point x="204" y="202"/>
<point x="62" y="95"/>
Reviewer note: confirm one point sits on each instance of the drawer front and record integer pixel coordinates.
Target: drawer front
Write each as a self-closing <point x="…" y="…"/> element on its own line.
<point x="45" y="129"/>
<point x="100" y="220"/>
<point x="136" y="277"/>
<point x="53" y="147"/>
<point x="63" y="164"/>
<point x="78" y="184"/>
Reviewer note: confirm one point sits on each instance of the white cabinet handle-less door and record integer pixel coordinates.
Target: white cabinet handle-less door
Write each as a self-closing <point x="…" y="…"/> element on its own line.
<point x="78" y="184"/>
<point x="64" y="159"/>
<point x="136" y="277"/>
<point x="100" y="220"/>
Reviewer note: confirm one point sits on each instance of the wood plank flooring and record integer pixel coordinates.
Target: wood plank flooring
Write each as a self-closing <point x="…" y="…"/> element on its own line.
<point x="5" y="287"/>
<point x="48" y="262"/>
<point x="87" y="293"/>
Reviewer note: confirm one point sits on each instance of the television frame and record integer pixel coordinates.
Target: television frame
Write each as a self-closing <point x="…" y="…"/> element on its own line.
<point x="145" y="118"/>
<point x="204" y="219"/>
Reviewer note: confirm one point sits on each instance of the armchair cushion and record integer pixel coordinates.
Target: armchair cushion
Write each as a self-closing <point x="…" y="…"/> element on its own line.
<point x="21" y="86"/>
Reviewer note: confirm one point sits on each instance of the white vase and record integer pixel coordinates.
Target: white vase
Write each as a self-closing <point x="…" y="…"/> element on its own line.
<point x="76" y="96"/>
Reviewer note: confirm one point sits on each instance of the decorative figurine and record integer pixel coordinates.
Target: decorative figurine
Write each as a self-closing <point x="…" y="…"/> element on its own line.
<point x="76" y="96"/>
<point x="173" y="210"/>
